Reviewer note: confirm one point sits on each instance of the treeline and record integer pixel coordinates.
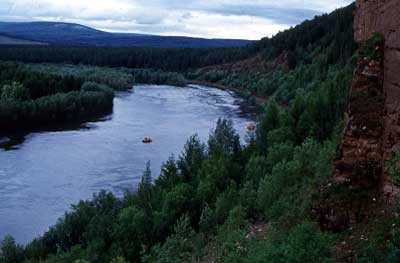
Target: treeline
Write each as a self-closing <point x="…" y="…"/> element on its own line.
<point x="157" y="77"/>
<point x="329" y="33"/>
<point x="114" y="78"/>
<point x="173" y="59"/>
<point x="37" y="84"/>
<point x="32" y="99"/>
<point x="317" y="51"/>
<point x="280" y="84"/>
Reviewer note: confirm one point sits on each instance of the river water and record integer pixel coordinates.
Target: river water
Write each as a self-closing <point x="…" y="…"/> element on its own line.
<point x="47" y="171"/>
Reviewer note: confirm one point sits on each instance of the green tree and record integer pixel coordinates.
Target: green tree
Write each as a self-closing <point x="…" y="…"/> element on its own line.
<point x="306" y="243"/>
<point x="145" y="191"/>
<point x="191" y="158"/>
<point x="269" y="122"/>
<point x="10" y="252"/>
<point x="16" y="91"/>
<point x="132" y="230"/>
<point x="224" y="140"/>
<point x="179" y="247"/>
<point x="169" y="176"/>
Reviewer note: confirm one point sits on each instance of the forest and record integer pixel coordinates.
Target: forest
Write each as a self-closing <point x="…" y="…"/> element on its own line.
<point x="29" y="99"/>
<point x="220" y="200"/>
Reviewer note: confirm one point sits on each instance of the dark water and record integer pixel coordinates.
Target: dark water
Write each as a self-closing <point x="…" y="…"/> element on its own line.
<point x="45" y="172"/>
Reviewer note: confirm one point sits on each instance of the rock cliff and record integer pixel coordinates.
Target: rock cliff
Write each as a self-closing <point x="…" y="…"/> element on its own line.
<point x="372" y="131"/>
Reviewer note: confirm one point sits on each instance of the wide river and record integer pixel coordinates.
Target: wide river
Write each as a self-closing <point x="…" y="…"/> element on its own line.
<point x="47" y="171"/>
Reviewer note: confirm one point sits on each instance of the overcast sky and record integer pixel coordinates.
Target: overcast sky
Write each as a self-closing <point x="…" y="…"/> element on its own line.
<point x="249" y="19"/>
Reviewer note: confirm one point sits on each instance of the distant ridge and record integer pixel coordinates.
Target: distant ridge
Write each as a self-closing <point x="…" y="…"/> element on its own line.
<point x="69" y="34"/>
<point x="7" y="40"/>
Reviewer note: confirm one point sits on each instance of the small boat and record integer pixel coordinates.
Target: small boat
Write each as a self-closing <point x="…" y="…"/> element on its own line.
<point x="147" y="140"/>
<point x="251" y="127"/>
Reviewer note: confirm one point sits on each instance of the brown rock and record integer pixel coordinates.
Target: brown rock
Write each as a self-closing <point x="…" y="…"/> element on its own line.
<point x="372" y="133"/>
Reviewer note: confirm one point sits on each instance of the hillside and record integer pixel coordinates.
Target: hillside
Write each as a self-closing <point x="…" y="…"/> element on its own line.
<point x="293" y="61"/>
<point x="7" y="40"/>
<point x="68" y="34"/>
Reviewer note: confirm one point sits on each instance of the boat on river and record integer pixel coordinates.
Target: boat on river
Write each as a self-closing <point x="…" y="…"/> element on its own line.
<point x="251" y="127"/>
<point x="147" y="140"/>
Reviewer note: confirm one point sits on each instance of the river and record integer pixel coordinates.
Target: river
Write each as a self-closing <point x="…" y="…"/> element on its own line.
<point x="45" y="172"/>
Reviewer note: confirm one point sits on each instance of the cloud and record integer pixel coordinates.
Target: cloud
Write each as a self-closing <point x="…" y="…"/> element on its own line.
<point x="214" y="19"/>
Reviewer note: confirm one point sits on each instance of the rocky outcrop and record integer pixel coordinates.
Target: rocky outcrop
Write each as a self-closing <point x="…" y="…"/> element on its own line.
<point x="360" y="160"/>
<point x="383" y="16"/>
<point x="372" y="130"/>
<point x="256" y="64"/>
<point x="372" y="123"/>
<point x="359" y="167"/>
<point x="361" y="194"/>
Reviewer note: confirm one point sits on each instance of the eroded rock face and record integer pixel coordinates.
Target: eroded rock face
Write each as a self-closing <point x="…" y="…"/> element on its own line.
<point x="372" y="132"/>
<point x="361" y="190"/>
<point x="384" y="16"/>
<point x="360" y="162"/>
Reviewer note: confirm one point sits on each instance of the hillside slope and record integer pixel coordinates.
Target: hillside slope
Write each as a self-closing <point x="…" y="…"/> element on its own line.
<point x="68" y="34"/>
<point x="7" y="40"/>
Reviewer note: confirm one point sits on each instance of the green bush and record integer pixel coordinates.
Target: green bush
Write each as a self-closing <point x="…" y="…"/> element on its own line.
<point x="394" y="169"/>
<point x="372" y="49"/>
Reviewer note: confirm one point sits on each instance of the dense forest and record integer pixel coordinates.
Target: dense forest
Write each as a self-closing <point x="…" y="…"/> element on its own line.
<point x="172" y="59"/>
<point x="31" y="98"/>
<point x="218" y="201"/>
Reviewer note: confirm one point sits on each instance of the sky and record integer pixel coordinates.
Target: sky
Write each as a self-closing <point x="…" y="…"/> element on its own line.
<point x="244" y="19"/>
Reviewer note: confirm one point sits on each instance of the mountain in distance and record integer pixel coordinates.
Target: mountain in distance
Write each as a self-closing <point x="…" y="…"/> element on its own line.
<point x="7" y="40"/>
<point x="70" y="34"/>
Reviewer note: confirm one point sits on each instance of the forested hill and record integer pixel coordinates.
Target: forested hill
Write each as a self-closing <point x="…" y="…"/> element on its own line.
<point x="68" y="34"/>
<point x="331" y="34"/>
<point x="296" y="60"/>
<point x="7" y="40"/>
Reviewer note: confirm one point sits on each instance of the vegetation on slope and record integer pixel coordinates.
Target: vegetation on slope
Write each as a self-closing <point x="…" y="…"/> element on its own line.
<point x="299" y="58"/>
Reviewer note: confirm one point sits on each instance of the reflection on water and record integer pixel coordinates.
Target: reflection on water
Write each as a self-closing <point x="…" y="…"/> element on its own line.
<point x="42" y="173"/>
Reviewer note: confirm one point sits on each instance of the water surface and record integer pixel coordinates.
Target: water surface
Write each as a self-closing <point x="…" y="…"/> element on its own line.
<point x="46" y="172"/>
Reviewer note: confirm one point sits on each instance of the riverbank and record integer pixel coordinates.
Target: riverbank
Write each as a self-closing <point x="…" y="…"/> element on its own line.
<point x="252" y="102"/>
